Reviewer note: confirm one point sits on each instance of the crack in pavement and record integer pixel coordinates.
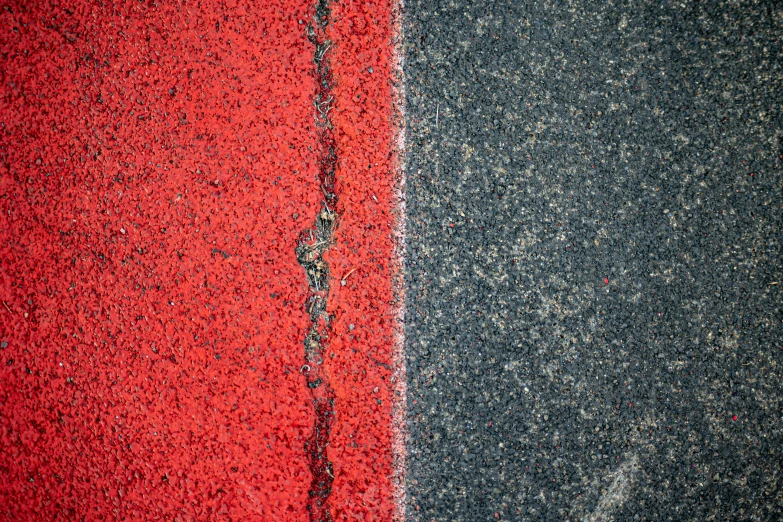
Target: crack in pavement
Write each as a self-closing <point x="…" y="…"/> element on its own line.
<point x="312" y="245"/>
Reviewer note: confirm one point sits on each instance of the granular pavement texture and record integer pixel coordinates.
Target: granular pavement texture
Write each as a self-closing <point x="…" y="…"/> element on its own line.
<point x="593" y="323"/>
<point x="160" y="163"/>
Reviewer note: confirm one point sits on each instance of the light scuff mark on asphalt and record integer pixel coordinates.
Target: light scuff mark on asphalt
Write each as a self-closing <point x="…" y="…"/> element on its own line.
<point x="617" y="493"/>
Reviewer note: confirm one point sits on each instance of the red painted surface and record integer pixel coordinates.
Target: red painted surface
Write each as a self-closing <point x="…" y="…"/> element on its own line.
<point x="158" y="162"/>
<point x="362" y="366"/>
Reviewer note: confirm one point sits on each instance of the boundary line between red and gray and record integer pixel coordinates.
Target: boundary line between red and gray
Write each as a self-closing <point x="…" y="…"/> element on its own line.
<point x="399" y="406"/>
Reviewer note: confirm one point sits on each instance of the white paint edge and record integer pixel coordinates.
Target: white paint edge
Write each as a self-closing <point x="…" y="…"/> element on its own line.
<point x="399" y="375"/>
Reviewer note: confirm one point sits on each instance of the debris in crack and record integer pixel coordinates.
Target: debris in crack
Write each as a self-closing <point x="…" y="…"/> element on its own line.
<point x="309" y="253"/>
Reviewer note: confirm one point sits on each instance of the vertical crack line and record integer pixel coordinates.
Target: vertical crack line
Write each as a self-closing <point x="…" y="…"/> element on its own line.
<point x="310" y="249"/>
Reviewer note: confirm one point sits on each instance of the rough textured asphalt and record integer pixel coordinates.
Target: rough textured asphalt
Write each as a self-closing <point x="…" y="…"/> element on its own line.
<point x="594" y="260"/>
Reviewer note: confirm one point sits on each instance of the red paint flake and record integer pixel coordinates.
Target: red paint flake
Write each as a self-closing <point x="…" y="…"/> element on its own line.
<point x="606" y="280"/>
<point x="734" y="418"/>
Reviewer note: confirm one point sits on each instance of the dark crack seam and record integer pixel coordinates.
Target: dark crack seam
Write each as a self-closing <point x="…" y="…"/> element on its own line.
<point x="309" y="253"/>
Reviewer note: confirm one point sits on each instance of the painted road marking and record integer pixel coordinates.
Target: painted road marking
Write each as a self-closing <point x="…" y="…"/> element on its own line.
<point x="159" y="167"/>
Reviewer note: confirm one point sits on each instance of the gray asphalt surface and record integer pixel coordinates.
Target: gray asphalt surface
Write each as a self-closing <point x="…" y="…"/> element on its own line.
<point x="595" y="202"/>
